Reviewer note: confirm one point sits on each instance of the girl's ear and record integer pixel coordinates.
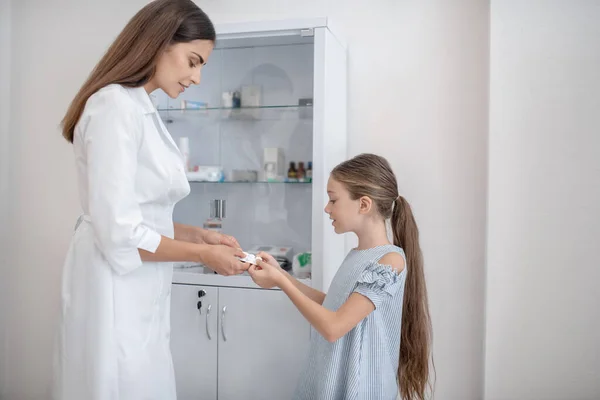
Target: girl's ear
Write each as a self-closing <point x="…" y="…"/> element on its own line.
<point x="365" y="205"/>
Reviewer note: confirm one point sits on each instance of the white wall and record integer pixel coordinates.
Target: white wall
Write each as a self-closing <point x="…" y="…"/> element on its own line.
<point x="5" y="59"/>
<point x="418" y="91"/>
<point x="420" y="100"/>
<point x="543" y="323"/>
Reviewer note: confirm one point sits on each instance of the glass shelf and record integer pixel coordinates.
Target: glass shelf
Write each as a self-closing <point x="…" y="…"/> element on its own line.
<point x="193" y="110"/>
<point x="254" y="182"/>
<point x="274" y="112"/>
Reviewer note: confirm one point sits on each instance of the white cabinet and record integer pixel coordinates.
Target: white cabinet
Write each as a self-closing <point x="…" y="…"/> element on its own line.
<point x="194" y="341"/>
<point x="291" y="76"/>
<point x="252" y="343"/>
<point x="263" y="344"/>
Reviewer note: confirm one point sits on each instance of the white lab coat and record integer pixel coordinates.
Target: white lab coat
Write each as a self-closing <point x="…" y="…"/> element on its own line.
<point x="114" y="332"/>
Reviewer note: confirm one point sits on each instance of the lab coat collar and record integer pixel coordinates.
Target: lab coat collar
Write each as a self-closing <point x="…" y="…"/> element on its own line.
<point x="141" y="97"/>
<point x="143" y="100"/>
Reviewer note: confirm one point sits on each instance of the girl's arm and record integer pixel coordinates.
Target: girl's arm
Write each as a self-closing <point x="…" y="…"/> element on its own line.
<point x="332" y="325"/>
<point x="315" y="295"/>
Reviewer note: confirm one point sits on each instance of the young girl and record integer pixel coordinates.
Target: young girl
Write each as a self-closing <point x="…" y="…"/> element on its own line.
<point x="374" y="328"/>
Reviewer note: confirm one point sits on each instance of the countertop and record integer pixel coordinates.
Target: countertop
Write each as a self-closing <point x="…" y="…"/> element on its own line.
<point x="199" y="275"/>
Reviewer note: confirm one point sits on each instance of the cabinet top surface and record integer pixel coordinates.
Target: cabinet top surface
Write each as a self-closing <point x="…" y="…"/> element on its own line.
<point x="197" y="276"/>
<point x="270" y="25"/>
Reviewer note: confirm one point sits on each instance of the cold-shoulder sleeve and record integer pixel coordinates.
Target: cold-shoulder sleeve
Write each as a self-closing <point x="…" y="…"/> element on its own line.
<point x="379" y="282"/>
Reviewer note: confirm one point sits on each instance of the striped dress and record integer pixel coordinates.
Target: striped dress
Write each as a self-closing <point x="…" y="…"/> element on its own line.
<point x="363" y="364"/>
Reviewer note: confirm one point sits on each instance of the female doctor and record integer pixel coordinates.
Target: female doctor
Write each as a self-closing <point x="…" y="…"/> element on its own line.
<point x="114" y="332"/>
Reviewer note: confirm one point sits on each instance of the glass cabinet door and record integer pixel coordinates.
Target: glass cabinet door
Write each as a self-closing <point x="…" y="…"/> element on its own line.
<point x="249" y="130"/>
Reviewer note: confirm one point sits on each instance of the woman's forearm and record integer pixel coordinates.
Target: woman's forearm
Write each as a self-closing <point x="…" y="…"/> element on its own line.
<point x="188" y="233"/>
<point x="172" y="250"/>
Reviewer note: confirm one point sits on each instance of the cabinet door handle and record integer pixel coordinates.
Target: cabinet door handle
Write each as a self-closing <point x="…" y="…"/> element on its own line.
<point x="208" y="322"/>
<point x="223" y="323"/>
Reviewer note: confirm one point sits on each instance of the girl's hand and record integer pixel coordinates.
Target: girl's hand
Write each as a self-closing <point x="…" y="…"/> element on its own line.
<point x="269" y="259"/>
<point x="266" y="274"/>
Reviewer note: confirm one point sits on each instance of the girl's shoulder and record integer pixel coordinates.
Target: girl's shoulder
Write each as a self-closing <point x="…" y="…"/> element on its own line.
<point x="396" y="260"/>
<point x="386" y="262"/>
<point x="382" y="276"/>
<point x="386" y="252"/>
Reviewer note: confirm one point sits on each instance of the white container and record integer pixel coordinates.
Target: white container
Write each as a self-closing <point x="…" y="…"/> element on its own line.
<point x="184" y="149"/>
<point x="302" y="265"/>
<point x="251" y="96"/>
<point x="273" y="163"/>
<point x="206" y="173"/>
<point x="227" y="99"/>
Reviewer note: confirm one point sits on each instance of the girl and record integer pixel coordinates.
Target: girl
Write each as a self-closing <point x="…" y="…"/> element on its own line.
<point x="374" y="325"/>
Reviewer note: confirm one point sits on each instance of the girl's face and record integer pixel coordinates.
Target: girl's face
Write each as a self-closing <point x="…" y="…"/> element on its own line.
<point x="180" y="66"/>
<point x="343" y="211"/>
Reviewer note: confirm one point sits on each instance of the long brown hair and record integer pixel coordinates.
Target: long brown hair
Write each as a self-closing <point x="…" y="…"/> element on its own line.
<point x="371" y="175"/>
<point x="131" y="59"/>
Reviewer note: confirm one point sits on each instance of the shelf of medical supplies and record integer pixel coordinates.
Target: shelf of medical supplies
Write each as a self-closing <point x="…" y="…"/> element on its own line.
<point x="260" y="113"/>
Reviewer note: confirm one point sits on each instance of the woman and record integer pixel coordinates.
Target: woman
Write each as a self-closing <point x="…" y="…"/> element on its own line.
<point x="114" y="337"/>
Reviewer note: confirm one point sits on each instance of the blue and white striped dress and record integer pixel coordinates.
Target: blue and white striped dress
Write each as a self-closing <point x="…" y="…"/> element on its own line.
<point x="363" y="364"/>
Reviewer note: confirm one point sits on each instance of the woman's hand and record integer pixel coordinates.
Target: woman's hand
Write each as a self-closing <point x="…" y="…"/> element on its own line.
<point x="212" y="237"/>
<point x="267" y="273"/>
<point x="222" y="259"/>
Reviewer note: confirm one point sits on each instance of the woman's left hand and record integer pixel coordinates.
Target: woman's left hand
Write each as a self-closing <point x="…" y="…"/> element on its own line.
<point x="212" y="237"/>
<point x="266" y="275"/>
